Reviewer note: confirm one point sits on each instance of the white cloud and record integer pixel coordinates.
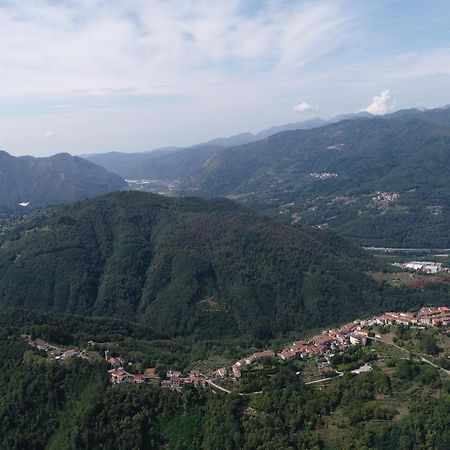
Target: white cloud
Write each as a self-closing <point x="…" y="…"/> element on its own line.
<point x="304" y="107"/>
<point x="49" y="134"/>
<point x="380" y="104"/>
<point x="143" y="46"/>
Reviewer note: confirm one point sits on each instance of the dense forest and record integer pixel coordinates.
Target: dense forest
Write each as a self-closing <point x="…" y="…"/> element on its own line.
<point x="189" y="266"/>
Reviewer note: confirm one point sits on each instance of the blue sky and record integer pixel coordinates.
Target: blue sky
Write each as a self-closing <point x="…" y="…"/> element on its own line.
<point x="93" y="76"/>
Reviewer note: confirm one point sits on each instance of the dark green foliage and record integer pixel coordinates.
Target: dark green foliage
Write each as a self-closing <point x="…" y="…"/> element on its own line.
<point x="186" y="266"/>
<point x="428" y="344"/>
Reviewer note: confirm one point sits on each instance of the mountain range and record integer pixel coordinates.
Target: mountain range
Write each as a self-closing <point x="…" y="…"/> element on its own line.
<point x="27" y="183"/>
<point x="380" y="181"/>
<point x="377" y="180"/>
<point x="141" y="164"/>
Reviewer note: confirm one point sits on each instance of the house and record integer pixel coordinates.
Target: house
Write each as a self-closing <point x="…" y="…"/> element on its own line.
<point x="176" y="382"/>
<point x="197" y="379"/>
<point x="173" y="373"/>
<point x="358" y="339"/>
<point x="150" y="372"/>
<point x="115" y="361"/>
<point x="118" y="376"/>
<point x="236" y="371"/>
<point x="68" y="354"/>
<point x="258" y="355"/>
<point x="323" y="340"/>
<point x="327" y="372"/>
<point x="288" y="354"/>
<point x="139" y="378"/>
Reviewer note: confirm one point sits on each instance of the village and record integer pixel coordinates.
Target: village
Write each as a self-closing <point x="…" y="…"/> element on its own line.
<point x="320" y="348"/>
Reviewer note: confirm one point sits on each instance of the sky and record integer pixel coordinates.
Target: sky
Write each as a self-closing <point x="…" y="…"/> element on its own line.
<point x="92" y="76"/>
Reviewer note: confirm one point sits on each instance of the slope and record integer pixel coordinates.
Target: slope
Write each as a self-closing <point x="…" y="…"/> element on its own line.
<point x="184" y="266"/>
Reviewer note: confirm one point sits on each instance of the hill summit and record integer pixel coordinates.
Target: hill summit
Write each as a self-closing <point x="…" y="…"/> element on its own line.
<point x="27" y="183"/>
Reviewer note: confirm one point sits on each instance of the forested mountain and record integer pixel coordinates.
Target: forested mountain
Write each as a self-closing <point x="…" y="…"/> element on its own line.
<point x="183" y="266"/>
<point x="35" y="182"/>
<point x="380" y="181"/>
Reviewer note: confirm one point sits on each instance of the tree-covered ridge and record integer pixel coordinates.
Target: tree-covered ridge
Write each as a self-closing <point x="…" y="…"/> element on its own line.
<point x="183" y="266"/>
<point x="27" y="183"/>
<point x="189" y="266"/>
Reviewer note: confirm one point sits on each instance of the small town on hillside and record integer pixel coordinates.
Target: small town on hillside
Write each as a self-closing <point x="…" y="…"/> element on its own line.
<point x="320" y="347"/>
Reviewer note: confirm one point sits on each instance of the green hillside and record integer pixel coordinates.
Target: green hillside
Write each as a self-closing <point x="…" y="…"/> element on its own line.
<point x="183" y="266"/>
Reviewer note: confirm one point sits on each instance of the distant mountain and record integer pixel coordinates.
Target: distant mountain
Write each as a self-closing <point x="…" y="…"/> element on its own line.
<point x="246" y="138"/>
<point x="27" y="183"/>
<point x="121" y="162"/>
<point x="170" y="163"/>
<point x="305" y="125"/>
<point x="184" y="266"/>
<point x="379" y="180"/>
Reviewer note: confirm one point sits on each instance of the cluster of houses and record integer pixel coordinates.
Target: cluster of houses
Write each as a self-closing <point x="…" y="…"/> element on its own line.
<point x="340" y="339"/>
<point x="235" y="371"/>
<point x="173" y="379"/>
<point x="423" y="266"/>
<point x="385" y="197"/>
<point x="428" y="316"/>
<point x="71" y="353"/>
<point x="323" y="175"/>
<point x="328" y="342"/>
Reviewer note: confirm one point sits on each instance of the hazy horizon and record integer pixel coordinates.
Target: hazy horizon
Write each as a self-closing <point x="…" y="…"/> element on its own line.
<point x="93" y="77"/>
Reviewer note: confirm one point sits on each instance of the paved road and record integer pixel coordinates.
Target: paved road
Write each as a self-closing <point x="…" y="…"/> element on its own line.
<point x="230" y="392"/>
<point x="340" y="374"/>
<point x="435" y="365"/>
<point x="218" y="387"/>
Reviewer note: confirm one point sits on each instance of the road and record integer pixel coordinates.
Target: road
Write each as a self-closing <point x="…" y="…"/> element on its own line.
<point x="407" y="250"/>
<point x="211" y="382"/>
<point x="340" y="374"/>
<point x="218" y="387"/>
<point x="434" y="365"/>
